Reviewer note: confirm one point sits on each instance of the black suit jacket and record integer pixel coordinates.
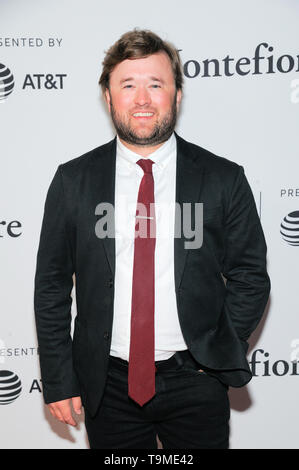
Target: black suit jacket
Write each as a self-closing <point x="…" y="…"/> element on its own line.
<point x="221" y="288"/>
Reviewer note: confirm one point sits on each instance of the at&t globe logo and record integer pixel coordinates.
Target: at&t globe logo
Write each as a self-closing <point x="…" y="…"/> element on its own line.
<point x="7" y="82"/>
<point x="289" y="228"/>
<point x="10" y="387"/>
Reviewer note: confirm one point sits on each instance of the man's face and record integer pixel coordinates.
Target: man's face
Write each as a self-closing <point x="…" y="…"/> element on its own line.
<point x="142" y="100"/>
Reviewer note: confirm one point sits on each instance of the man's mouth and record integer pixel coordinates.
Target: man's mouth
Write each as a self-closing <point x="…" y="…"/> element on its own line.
<point x="139" y="114"/>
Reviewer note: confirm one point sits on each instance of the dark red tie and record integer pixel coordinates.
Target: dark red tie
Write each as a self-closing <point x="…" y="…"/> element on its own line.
<point x="141" y="375"/>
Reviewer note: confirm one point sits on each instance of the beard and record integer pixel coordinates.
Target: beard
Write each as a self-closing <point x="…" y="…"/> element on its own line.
<point x="160" y="133"/>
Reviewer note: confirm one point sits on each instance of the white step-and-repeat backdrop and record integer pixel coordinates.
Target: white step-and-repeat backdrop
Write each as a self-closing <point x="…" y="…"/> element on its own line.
<point x="241" y="101"/>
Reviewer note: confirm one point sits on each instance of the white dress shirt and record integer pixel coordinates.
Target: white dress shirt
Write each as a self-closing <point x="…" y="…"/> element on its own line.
<point x="168" y="334"/>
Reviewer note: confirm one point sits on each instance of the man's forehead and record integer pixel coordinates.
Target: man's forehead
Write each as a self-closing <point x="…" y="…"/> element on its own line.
<point x="154" y="66"/>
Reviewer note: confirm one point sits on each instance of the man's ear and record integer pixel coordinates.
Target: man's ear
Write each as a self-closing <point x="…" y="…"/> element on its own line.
<point x="178" y="98"/>
<point x="108" y="99"/>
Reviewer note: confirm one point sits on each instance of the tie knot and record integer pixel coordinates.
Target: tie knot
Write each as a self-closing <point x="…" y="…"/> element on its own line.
<point x="146" y="164"/>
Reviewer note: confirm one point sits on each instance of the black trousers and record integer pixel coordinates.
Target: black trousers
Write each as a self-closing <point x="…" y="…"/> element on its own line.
<point x="190" y="410"/>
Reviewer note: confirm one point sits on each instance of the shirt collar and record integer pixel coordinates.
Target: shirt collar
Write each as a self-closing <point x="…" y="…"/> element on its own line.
<point x="160" y="157"/>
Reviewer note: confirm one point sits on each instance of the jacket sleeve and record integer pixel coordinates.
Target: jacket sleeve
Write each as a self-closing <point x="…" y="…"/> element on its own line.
<point x="244" y="267"/>
<point x="52" y="298"/>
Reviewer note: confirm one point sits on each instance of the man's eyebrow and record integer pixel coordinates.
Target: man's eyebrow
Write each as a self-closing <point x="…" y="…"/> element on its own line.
<point x="128" y="79"/>
<point x="156" y="79"/>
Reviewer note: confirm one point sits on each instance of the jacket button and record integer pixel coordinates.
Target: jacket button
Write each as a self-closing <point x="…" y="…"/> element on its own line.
<point x="106" y="335"/>
<point x="110" y="283"/>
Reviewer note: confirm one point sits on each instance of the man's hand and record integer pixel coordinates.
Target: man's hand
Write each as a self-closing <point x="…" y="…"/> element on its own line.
<point x="62" y="410"/>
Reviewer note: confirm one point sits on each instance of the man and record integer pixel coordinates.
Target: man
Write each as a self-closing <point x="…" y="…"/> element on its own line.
<point x="162" y="325"/>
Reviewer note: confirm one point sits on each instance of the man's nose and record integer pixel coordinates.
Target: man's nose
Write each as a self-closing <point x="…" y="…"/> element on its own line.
<point x="142" y="96"/>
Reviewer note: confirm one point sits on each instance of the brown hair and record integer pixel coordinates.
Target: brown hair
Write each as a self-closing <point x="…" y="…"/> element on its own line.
<point x="138" y="44"/>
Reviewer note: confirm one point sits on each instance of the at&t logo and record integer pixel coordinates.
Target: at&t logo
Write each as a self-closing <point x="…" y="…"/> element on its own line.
<point x="7" y="82"/>
<point x="35" y="81"/>
<point x="10" y="387"/>
<point x="289" y="228"/>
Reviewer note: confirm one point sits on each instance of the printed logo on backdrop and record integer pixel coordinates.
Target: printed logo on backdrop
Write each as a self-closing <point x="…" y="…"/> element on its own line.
<point x="10" y="229"/>
<point x="10" y="387"/>
<point x="30" y="42"/>
<point x="7" y="82"/>
<point x="20" y="351"/>
<point x="262" y="365"/>
<point x="289" y="228"/>
<point x="31" y="81"/>
<point x="10" y="383"/>
<point x="262" y="60"/>
<point x="41" y="81"/>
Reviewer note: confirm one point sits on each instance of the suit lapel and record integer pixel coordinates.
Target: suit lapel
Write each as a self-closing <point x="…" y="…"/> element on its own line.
<point x="103" y="190"/>
<point x="189" y="178"/>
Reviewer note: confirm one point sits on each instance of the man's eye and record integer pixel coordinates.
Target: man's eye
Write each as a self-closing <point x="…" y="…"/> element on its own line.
<point x="128" y="86"/>
<point x="156" y="86"/>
